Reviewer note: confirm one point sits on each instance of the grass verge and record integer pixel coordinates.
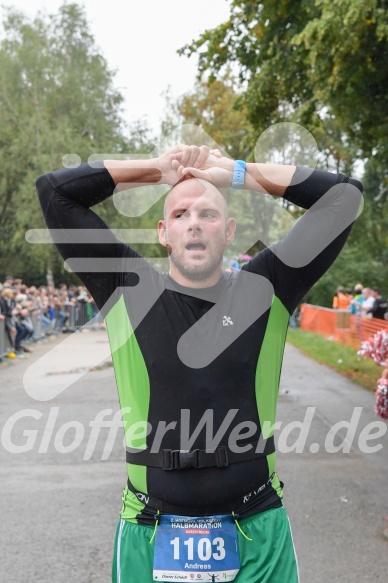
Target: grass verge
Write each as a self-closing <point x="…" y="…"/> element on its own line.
<point x="342" y="359"/>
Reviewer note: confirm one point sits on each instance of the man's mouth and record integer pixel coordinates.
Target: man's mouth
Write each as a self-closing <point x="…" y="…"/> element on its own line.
<point x="196" y="246"/>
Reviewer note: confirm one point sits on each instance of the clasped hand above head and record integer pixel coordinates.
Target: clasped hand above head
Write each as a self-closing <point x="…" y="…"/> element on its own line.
<point x="201" y="162"/>
<point x="181" y="161"/>
<point x="210" y="165"/>
<point x="171" y="167"/>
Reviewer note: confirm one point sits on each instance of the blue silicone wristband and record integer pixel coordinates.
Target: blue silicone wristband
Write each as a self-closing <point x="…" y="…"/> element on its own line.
<point x="239" y="174"/>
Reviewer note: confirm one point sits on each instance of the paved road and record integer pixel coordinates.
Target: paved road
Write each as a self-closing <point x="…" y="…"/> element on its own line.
<point x="59" y="511"/>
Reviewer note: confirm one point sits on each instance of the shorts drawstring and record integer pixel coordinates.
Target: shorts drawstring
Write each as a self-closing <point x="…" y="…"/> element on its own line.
<point x="156" y="526"/>
<point x="235" y="516"/>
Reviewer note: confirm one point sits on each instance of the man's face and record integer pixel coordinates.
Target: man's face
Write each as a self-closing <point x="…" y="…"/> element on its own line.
<point x="196" y="231"/>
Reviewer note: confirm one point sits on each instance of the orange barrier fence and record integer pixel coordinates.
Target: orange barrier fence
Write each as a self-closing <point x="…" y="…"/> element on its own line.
<point x="339" y="325"/>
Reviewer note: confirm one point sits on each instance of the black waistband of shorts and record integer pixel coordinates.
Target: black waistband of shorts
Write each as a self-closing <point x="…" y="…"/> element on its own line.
<point x="241" y="506"/>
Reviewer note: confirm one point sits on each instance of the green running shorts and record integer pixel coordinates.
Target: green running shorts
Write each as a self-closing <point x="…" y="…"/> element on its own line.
<point x="268" y="558"/>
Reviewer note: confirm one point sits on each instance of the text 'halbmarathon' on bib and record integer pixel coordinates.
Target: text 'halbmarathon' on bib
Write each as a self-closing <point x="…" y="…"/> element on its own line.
<point x="196" y="549"/>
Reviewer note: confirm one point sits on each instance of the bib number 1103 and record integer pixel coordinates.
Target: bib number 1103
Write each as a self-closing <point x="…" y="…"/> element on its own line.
<point x="206" y="549"/>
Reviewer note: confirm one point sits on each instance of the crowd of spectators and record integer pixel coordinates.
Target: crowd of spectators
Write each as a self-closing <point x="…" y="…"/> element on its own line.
<point x="365" y="301"/>
<point x="29" y="313"/>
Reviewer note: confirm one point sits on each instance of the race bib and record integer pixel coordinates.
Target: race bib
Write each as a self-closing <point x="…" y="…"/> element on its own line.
<point x="196" y="549"/>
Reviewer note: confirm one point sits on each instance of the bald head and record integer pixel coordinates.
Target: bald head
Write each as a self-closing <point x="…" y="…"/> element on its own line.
<point x="195" y="231"/>
<point x="194" y="188"/>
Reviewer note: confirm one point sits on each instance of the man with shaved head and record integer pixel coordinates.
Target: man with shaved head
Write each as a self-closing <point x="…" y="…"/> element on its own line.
<point x="197" y="353"/>
<point x="195" y="230"/>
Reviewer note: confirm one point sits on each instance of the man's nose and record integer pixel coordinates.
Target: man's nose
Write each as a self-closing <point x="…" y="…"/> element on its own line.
<point x="194" y="222"/>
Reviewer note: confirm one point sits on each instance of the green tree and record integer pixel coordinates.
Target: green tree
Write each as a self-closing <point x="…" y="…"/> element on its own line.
<point x="307" y="60"/>
<point x="56" y="97"/>
<point x="322" y="65"/>
<point x="365" y="256"/>
<point x="215" y="108"/>
<point x="372" y="227"/>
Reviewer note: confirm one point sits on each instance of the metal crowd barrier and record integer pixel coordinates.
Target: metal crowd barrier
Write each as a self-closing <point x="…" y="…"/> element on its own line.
<point x="76" y="318"/>
<point x="3" y="339"/>
<point x="37" y="323"/>
<point x="70" y="317"/>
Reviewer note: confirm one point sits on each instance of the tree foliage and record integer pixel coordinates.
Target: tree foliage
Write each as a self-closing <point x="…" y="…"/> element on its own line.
<point x="312" y="62"/>
<point x="56" y="97"/>
<point x="322" y="65"/>
<point x="308" y="59"/>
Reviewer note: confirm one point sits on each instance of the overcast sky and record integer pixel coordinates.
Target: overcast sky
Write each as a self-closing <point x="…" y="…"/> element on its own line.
<point x="139" y="39"/>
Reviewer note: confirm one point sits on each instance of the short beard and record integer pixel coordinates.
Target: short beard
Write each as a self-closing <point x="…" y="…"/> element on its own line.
<point x="195" y="274"/>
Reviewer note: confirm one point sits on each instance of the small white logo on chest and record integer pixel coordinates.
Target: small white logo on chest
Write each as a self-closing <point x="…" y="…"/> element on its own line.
<point x="227" y="321"/>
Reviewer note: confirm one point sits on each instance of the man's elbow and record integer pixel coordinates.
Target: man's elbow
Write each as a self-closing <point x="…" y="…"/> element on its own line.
<point x="45" y="192"/>
<point x="356" y="183"/>
<point x="41" y="183"/>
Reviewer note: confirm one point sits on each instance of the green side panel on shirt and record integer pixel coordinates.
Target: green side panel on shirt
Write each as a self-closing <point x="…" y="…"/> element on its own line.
<point x="268" y="371"/>
<point x="132" y="383"/>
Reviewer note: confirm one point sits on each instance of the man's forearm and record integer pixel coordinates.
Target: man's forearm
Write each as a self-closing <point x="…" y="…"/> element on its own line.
<point x="129" y="173"/>
<point x="270" y="178"/>
<point x="90" y="184"/>
<point x="300" y="185"/>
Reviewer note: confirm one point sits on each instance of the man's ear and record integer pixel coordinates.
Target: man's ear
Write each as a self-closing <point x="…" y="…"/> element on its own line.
<point x="162" y="233"/>
<point x="230" y="230"/>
